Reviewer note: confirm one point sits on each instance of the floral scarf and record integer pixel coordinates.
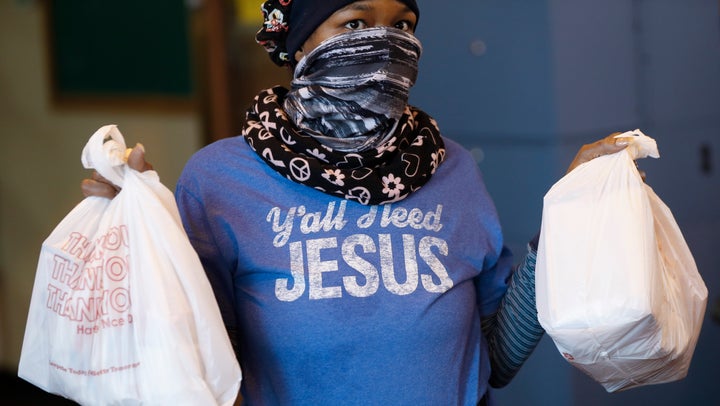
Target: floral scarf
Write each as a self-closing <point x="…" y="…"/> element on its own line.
<point x="385" y="174"/>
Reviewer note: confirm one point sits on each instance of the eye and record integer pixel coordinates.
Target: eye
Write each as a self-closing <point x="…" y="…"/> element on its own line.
<point x="405" y="25"/>
<point x="355" y="24"/>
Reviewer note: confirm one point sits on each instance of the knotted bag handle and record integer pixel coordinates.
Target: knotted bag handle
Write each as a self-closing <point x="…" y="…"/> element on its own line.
<point x="641" y="145"/>
<point x="105" y="152"/>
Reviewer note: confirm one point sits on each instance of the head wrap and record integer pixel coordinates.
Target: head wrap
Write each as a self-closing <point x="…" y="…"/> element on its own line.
<point x="289" y="23"/>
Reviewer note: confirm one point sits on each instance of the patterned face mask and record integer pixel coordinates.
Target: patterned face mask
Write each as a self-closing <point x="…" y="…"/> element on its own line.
<point x="350" y="91"/>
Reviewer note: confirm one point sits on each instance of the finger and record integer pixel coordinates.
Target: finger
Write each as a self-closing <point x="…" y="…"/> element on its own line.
<point x="642" y="173"/>
<point x="91" y="187"/>
<point x="613" y="143"/>
<point x="136" y="159"/>
<point x="608" y="145"/>
<point x="99" y="178"/>
<point x="605" y="146"/>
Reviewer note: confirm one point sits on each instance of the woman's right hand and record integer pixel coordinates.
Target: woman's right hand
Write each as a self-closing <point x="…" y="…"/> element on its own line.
<point x="99" y="186"/>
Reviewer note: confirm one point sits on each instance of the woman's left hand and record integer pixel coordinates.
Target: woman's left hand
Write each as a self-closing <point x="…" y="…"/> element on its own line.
<point x="606" y="146"/>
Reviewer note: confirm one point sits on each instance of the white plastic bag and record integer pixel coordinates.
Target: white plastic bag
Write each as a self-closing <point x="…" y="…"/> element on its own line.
<point x="121" y="310"/>
<point x="617" y="288"/>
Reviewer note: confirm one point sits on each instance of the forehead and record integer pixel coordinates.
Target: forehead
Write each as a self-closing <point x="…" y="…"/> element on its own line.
<point x="370" y="5"/>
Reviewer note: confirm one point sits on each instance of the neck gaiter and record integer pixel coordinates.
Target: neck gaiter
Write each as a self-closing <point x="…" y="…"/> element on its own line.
<point x="351" y="90"/>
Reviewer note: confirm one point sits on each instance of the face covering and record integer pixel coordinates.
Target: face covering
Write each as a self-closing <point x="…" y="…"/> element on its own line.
<point x="350" y="91"/>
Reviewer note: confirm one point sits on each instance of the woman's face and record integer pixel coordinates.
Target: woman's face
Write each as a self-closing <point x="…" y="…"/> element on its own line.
<point x="358" y="15"/>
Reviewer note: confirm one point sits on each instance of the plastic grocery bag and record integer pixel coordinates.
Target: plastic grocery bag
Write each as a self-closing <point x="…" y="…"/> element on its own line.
<point x="121" y="311"/>
<point x="617" y="288"/>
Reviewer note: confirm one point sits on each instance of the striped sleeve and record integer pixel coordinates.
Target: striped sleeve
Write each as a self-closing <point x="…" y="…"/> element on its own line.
<point x="514" y="331"/>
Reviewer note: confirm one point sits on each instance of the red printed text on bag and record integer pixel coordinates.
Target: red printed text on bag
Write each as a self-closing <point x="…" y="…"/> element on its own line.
<point x="88" y="281"/>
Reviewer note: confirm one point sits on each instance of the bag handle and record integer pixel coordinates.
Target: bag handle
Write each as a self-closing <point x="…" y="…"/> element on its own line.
<point x="105" y="152"/>
<point x="641" y="146"/>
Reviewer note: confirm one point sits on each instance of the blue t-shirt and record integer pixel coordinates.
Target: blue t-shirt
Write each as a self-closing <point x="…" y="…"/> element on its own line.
<point x="331" y="302"/>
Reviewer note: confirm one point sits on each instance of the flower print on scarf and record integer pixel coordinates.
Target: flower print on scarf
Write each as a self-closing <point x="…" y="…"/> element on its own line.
<point x="334" y="176"/>
<point x="388" y="146"/>
<point x="392" y="185"/>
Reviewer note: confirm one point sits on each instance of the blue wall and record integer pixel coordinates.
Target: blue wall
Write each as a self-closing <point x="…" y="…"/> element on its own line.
<point x="524" y="83"/>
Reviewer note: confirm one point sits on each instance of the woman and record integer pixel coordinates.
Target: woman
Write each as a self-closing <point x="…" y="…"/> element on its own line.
<point x="354" y="252"/>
